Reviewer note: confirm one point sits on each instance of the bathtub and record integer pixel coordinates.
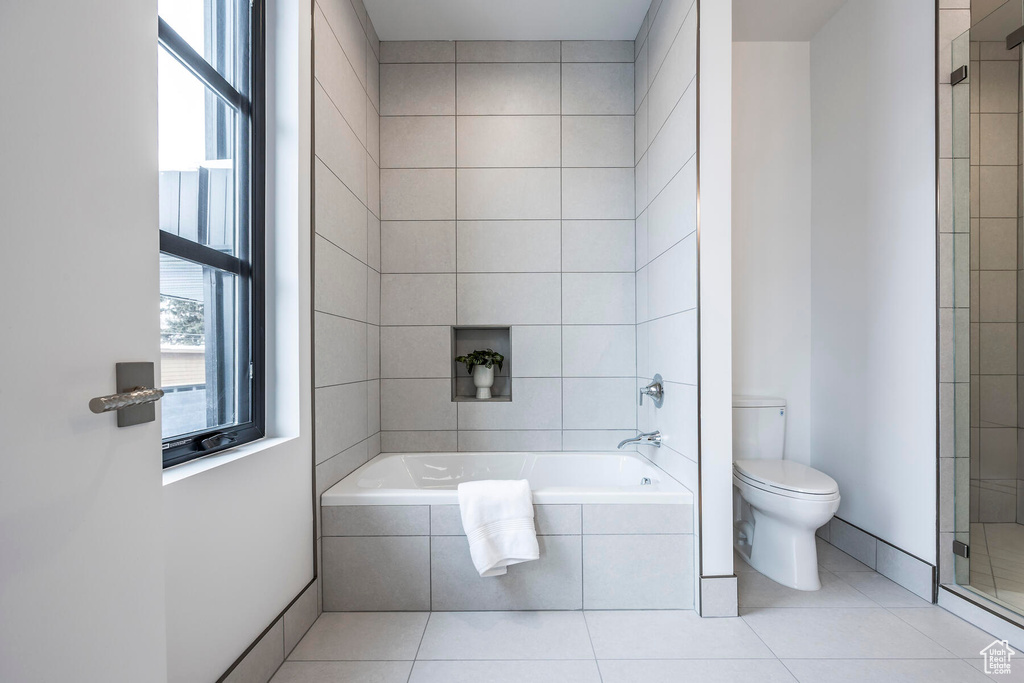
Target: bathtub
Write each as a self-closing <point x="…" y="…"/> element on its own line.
<point x="392" y="537"/>
<point x="555" y="478"/>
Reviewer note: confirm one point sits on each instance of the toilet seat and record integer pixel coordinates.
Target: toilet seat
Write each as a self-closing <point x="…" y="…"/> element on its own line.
<point x="786" y="478"/>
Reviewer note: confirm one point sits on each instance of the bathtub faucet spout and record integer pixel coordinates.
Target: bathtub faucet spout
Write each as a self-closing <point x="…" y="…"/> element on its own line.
<point x="647" y="439"/>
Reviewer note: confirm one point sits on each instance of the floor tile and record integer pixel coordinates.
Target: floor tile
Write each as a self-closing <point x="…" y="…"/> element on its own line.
<point x="362" y="635"/>
<point x="880" y="589"/>
<point x="890" y="671"/>
<point x="946" y="629"/>
<point x="835" y="560"/>
<point x="840" y="633"/>
<point x="567" y="671"/>
<point x="671" y="635"/>
<point x="506" y="635"/>
<point x="703" y="670"/>
<point x="1016" y="674"/>
<point x="757" y="590"/>
<point x="343" y="672"/>
<point x="739" y="564"/>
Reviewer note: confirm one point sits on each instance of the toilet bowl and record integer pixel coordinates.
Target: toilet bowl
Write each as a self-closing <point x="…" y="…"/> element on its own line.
<point x="787" y="502"/>
<point x="779" y="503"/>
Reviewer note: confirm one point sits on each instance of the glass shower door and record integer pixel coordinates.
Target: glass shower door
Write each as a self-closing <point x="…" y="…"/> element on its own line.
<point x="986" y="307"/>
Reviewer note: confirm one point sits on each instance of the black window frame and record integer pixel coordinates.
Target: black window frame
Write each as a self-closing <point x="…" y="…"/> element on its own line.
<point x="249" y="265"/>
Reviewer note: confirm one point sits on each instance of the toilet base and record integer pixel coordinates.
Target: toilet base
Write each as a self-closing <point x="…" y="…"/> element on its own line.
<point x="784" y="554"/>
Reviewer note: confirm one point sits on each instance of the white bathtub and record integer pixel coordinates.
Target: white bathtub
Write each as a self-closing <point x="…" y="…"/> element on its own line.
<point x="555" y="478"/>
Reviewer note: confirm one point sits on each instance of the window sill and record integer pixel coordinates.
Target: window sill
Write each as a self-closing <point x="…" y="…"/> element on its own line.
<point x="195" y="467"/>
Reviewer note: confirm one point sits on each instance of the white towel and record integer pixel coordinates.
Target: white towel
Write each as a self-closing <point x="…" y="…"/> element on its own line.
<point x="498" y="519"/>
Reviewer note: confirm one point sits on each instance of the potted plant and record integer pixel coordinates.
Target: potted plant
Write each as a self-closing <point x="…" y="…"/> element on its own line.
<point x="481" y="364"/>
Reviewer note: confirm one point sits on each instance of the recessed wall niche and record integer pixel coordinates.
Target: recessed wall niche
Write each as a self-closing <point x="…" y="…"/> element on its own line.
<point x="465" y="340"/>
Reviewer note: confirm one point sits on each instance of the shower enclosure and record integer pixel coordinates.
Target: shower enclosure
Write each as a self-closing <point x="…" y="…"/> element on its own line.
<point x="985" y="298"/>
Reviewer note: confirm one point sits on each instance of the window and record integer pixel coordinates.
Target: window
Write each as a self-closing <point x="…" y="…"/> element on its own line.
<point x="211" y="225"/>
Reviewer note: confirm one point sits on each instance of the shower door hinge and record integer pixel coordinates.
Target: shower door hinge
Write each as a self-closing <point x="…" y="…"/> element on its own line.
<point x="958" y="75"/>
<point x="961" y="549"/>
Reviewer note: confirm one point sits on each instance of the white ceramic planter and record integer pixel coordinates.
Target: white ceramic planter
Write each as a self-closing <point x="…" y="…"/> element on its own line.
<point x="483" y="380"/>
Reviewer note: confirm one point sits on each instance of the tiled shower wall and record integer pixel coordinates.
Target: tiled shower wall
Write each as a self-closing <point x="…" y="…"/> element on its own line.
<point x="346" y="210"/>
<point x="994" y="124"/>
<point x="507" y="198"/>
<point x="666" y="225"/>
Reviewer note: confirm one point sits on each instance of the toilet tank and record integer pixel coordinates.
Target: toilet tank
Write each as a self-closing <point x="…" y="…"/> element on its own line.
<point x="758" y="427"/>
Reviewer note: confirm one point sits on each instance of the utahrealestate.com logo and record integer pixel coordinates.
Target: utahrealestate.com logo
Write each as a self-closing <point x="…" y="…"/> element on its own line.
<point x="997" y="657"/>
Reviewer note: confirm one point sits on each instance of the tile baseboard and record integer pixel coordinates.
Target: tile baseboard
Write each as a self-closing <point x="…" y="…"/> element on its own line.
<point x="914" y="574"/>
<point x="719" y="596"/>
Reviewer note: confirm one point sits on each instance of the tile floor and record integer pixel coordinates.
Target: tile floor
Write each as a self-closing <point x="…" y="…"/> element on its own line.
<point x="860" y="626"/>
<point x="997" y="562"/>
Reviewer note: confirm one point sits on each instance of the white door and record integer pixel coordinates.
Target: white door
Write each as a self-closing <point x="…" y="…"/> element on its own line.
<point x="81" y="568"/>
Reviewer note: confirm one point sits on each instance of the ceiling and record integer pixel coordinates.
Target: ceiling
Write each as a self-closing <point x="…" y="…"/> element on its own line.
<point x="507" y="19"/>
<point x="780" y="20"/>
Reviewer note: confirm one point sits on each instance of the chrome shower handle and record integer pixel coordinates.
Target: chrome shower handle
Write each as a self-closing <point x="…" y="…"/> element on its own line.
<point x="655" y="390"/>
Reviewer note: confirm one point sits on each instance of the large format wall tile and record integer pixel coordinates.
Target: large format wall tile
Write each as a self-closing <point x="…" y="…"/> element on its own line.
<point x="510" y="440"/>
<point x="597" y="51"/>
<point x="417" y="246"/>
<point x="599" y="403"/>
<point x="664" y="29"/>
<point x="377" y="573"/>
<point x="528" y="150"/>
<point x="417" y="404"/>
<point x="614" y="580"/>
<point x="337" y="145"/>
<point x="338" y="78"/>
<point x="341" y="418"/>
<point x="508" y="141"/>
<point x="598" y="299"/>
<point x="674" y="144"/>
<point x="417" y="299"/>
<point x="673" y="213"/>
<point x="340" y="282"/>
<point x="508" y="193"/>
<point x="417" y="351"/>
<point x="599" y="351"/>
<point x="598" y="246"/>
<point x="597" y="89"/>
<point x="417" y="194"/>
<point x="417" y="142"/>
<point x="417" y="89"/>
<point x="606" y="193"/>
<point x="340" y="348"/>
<point x="508" y="298"/>
<point x="509" y="89"/>
<point x="538" y="350"/>
<point x="536" y="404"/>
<point x="413" y="51"/>
<point x="509" y="246"/>
<point x="339" y="215"/>
<point x="598" y="141"/>
<point x="555" y="581"/>
<point x="677" y="73"/>
<point x="508" y="51"/>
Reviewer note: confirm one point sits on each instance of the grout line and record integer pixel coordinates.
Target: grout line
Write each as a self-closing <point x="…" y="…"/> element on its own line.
<point x="561" y="281"/>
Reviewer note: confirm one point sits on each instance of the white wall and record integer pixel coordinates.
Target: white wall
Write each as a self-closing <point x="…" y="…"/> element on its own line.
<point x="771" y="230"/>
<point x="238" y="527"/>
<point x="81" y="566"/>
<point x="715" y="283"/>
<point x="873" y="302"/>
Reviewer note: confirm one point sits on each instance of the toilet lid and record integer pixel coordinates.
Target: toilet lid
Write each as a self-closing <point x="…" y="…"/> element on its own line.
<point x="787" y="475"/>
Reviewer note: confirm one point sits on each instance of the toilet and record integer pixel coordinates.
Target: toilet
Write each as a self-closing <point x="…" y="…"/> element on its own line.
<point x="780" y="503"/>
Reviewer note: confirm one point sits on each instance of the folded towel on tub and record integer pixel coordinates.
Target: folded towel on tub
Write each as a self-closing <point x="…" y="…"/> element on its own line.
<point x="498" y="519"/>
